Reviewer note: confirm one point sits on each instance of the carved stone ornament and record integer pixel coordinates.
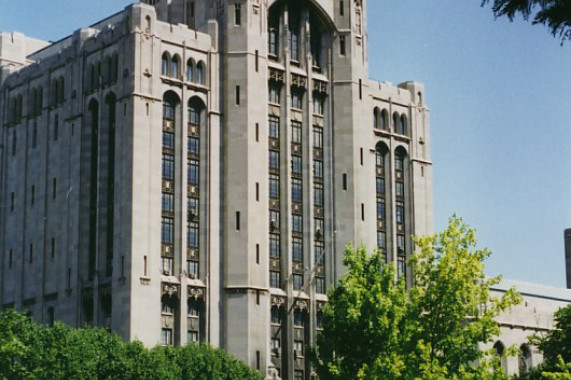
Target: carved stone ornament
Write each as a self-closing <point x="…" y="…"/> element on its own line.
<point x="195" y="293"/>
<point x="301" y="304"/>
<point x="278" y="301"/>
<point x="170" y="290"/>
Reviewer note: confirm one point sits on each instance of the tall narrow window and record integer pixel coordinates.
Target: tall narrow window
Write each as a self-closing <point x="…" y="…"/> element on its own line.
<point x="175" y="67"/>
<point x="12" y="201"/>
<point x="165" y="64"/>
<point x="237" y="95"/>
<point x="274" y="127"/>
<point x="297" y="249"/>
<point x="296" y="133"/>
<point x="56" y="127"/>
<point x="318" y="194"/>
<point x="192" y="234"/>
<point x="273" y="42"/>
<point x="10" y="259"/>
<point x="237" y="14"/>
<point x="193" y="172"/>
<point x="200" y="73"/>
<point x="237" y="220"/>
<point x="294" y="29"/>
<point x="33" y="196"/>
<point x="189" y="70"/>
<point x="167" y="231"/>
<point x="54" y="188"/>
<point x="53" y="250"/>
<point x="35" y="135"/>
<point x="342" y="47"/>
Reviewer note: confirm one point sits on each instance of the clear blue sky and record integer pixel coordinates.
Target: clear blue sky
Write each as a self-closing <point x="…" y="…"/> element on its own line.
<point x="499" y="95"/>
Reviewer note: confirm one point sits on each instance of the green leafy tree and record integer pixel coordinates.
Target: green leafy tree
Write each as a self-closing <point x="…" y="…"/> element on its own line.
<point x="31" y="351"/>
<point x="375" y="329"/>
<point x="556" y="349"/>
<point x="555" y="14"/>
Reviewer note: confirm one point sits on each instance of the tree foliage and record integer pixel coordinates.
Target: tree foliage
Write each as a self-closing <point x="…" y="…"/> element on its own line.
<point x="375" y="329"/>
<point x="31" y="351"/>
<point x="555" y="14"/>
<point x="556" y="349"/>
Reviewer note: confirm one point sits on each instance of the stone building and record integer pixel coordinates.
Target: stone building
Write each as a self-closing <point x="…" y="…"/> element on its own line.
<point x="192" y="171"/>
<point x="533" y="316"/>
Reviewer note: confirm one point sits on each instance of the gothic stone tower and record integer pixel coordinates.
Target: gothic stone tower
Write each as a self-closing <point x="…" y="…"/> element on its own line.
<point x="224" y="154"/>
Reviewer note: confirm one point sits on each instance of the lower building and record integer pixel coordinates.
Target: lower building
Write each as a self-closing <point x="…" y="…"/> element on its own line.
<point x="533" y="316"/>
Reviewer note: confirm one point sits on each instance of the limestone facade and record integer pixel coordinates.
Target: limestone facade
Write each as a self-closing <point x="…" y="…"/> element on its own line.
<point x="192" y="171"/>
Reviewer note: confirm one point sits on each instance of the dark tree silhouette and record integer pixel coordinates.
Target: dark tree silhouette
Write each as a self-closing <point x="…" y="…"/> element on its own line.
<point x="555" y="14"/>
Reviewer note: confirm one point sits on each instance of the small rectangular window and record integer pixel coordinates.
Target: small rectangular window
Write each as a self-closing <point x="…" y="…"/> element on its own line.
<point x="56" y="127"/>
<point x="258" y="360"/>
<point x="54" y="195"/>
<point x="362" y="211"/>
<point x="257" y="132"/>
<point x="166" y="337"/>
<point x="361" y="156"/>
<point x="35" y="135"/>
<point x="53" y="248"/>
<point x="274" y="246"/>
<point x="360" y="89"/>
<point x="344" y="181"/>
<point x="342" y="49"/>
<point x="297" y="249"/>
<point x="10" y="259"/>
<point x="274" y="127"/>
<point x="145" y="266"/>
<point x="341" y="8"/>
<point x="237" y="14"/>
<point x="237" y="95"/>
<point x="237" y="220"/>
<point x="12" y="196"/>
<point x="257" y="253"/>
<point x="31" y="253"/>
<point x="257" y="297"/>
<point x="257" y="191"/>
<point x="297" y="282"/>
<point x="275" y="280"/>
<point x="257" y="60"/>
<point x="33" y="197"/>
<point x="14" y="142"/>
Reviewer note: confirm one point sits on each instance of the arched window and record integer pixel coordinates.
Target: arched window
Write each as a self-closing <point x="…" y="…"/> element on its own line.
<point x="524" y="359"/>
<point x="189" y="70"/>
<point x="175" y="67"/>
<point x="384" y="120"/>
<point x="402" y="128"/>
<point x="165" y="61"/>
<point x="200" y="73"/>
<point x="107" y="70"/>
<point x="499" y="349"/>
<point x="377" y="118"/>
<point x="60" y="90"/>
<point x="396" y="122"/>
<point x="114" y="68"/>
<point x="32" y="102"/>
<point x="39" y="100"/>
